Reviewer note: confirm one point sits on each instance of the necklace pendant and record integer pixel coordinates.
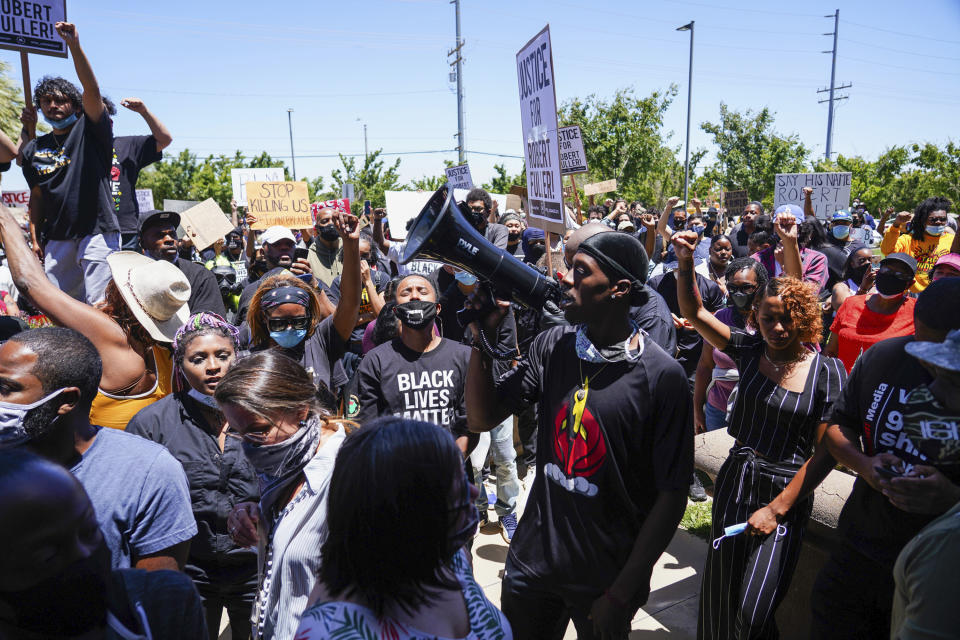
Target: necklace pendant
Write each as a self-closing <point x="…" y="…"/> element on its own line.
<point x="580" y="394"/>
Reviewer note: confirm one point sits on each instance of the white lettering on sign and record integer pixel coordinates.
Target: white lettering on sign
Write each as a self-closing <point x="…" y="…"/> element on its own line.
<point x="831" y="191"/>
<point x="538" y="117"/>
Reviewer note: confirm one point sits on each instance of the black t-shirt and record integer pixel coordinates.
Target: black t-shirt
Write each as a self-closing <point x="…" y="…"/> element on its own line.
<point x="395" y="380"/>
<point x="781" y="425"/>
<point x="886" y="402"/>
<point x="130" y="155"/>
<point x="218" y="480"/>
<point x="689" y="342"/>
<point x="738" y="240"/>
<point x="597" y="478"/>
<point x="836" y="259"/>
<point x="654" y="318"/>
<point x="366" y="313"/>
<point x="316" y="353"/>
<point x="73" y="178"/>
<point x="204" y="290"/>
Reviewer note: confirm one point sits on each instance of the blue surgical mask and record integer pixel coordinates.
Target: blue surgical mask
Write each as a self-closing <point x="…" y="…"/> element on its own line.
<point x="936" y="229"/>
<point x="61" y="124"/>
<point x="840" y="231"/>
<point x="698" y="228"/>
<point x="288" y="337"/>
<point x="465" y="278"/>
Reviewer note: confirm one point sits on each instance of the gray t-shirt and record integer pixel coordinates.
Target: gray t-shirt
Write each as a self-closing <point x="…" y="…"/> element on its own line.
<point x="139" y="492"/>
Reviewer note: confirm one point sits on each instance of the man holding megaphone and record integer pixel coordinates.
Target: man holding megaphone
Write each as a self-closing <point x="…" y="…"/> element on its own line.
<point x="614" y="456"/>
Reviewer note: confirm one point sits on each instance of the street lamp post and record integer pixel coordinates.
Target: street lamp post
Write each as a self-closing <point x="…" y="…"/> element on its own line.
<point x="293" y="158"/>
<point x="686" y="162"/>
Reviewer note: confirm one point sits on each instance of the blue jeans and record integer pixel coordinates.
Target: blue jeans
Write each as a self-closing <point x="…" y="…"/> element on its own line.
<point x="498" y="442"/>
<point x="715" y="418"/>
<point x="79" y="266"/>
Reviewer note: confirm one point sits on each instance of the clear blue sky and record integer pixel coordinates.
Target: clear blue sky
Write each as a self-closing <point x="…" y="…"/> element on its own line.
<point x="221" y="74"/>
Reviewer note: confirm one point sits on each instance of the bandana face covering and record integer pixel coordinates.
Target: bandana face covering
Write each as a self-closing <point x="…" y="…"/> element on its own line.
<point x="280" y="465"/>
<point x="588" y="352"/>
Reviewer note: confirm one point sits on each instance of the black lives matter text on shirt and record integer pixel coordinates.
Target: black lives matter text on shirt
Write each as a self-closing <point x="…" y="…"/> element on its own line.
<point x="887" y="403"/>
<point x="602" y="459"/>
<point x="395" y="380"/>
<point x="130" y="155"/>
<point x="72" y="171"/>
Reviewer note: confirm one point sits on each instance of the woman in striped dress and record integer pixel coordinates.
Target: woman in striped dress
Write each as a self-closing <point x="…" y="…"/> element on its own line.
<point x="785" y="394"/>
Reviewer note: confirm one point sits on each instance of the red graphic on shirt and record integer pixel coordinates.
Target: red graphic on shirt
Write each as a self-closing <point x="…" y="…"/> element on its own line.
<point x="579" y="449"/>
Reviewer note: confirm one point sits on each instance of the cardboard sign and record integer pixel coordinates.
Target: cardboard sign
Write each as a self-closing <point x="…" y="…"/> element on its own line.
<point x="16" y="198"/>
<point x="341" y="204"/>
<point x="599" y="187"/>
<point x="240" y="177"/>
<point x="572" y="157"/>
<point x="831" y="191"/>
<point x="459" y="177"/>
<point x="541" y="150"/>
<point x="27" y="25"/>
<point x="22" y="216"/>
<point x="518" y="191"/>
<point x="144" y="199"/>
<point x="513" y="202"/>
<point x="205" y="223"/>
<point x="283" y="203"/>
<point x="736" y="201"/>
<point x="179" y="206"/>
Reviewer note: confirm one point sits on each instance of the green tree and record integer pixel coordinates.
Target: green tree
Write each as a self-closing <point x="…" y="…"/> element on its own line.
<point x="369" y="181"/>
<point x="11" y="104"/>
<point x="750" y="152"/>
<point x="428" y="183"/>
<point x="502" y="181"/>
<point x="624" y="139"/>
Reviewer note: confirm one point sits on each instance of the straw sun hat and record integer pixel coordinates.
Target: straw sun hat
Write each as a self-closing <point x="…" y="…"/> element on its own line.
<point x="155" y="290"/>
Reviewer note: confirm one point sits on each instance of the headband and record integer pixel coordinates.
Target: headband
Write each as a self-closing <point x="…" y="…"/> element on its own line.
<point x="610" y="265"/>
<point x="285" y="295"/>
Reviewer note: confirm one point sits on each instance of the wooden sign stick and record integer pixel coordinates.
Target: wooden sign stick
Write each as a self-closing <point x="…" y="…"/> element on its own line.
<point x="25" y="71"/>
<point x="576" y="198"/>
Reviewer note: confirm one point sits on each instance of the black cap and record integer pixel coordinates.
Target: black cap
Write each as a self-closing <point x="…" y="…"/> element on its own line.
<point x="153" y="217"/>
<point x="903" y="258"/>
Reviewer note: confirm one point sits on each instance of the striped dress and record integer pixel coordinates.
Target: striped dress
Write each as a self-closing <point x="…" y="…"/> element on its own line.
<point x="746" y="577"/>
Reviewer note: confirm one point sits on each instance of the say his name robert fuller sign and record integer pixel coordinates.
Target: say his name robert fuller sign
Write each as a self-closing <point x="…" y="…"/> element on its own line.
<point x="541" y="150"/>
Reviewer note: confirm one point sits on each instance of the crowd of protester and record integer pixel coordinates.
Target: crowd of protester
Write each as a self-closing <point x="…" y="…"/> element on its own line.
<point x="297" y="427"/>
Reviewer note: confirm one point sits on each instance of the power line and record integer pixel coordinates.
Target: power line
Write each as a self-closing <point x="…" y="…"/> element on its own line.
<point x="285" y="95"/>
<point x="897" y="66"/>
<point x="909" y="53"/>
<point x="360" y="154"/>
<point x="901" y="33"/>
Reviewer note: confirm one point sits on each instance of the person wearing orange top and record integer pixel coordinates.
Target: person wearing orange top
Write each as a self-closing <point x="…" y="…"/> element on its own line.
<point x="927" y="237"/>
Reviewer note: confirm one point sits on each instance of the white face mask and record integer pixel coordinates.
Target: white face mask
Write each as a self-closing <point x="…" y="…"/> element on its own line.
<point x="12" y="432"/>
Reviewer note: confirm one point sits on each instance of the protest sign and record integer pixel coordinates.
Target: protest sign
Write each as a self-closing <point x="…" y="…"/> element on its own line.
<point x="573" y="159"/>
<point x="736" y="201"/>
<point x="538" y="117"/>
<point x="283" y="203"/>
<point x="21" y="215"/>
<point x="240" y="177"/>
<point x="831" y="191"/>
<point x="178" y="206"/>
<point x="205" y="223"/>
<point x="16" y="198"/>
<point x="513" y="202"/>
<point x="341" y="204"/>
<point x="27" y="26"/>
<point x="240" y="266"/>
<point x="144" y="199"/>
<point x="597" y="188"/>
<point x="459" y="177"/>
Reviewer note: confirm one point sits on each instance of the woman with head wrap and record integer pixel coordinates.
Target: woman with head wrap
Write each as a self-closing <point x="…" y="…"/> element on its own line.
<point x="614" y="450"/>
<point x="285" y="314"/>
<point x="533" y="244"/>
<point x="191" y="426"/>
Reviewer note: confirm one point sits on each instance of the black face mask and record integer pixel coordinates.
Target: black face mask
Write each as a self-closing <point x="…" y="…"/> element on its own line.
<point x="857" y="273"/>
<point x="416" y="314"/>
<point x="328" y="232"/>
<point x="67" y="604"/>
<point x="742" y="300"/>
<point x="513" y="237"/>
<point x="535" y="252"/>
<point x="888" y="284"/>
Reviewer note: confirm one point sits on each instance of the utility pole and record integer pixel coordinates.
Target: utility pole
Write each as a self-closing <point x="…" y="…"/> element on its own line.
<point x="366" y="154"/>
<point x="832" y="88"/>
<point x="293" y="158"/>
<point x="686" y="162"/>
<point x="458" y="63"/>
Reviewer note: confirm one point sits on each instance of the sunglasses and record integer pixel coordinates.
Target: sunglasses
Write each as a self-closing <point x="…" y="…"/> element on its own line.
<point x="279" y="324"/>
<point x="746" y="288"/>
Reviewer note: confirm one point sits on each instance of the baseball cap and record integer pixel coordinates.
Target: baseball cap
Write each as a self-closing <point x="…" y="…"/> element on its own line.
<point x="276" y="233"/>
<point x="626" y="225"/>
<point x="792" y="209"/>
<point x="155" y="217"/>
<point x="950" y="259"/>
<point x="903" y="258"/>
<point x="842" y="214"/>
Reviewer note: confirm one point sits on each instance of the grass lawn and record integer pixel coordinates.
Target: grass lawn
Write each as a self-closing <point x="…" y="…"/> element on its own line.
<point x="696" y="519"/>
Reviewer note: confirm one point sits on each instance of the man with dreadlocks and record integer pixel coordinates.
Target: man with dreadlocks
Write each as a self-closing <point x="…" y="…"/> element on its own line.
<point x="190" y="425"/>
<point x="614" y="455"/>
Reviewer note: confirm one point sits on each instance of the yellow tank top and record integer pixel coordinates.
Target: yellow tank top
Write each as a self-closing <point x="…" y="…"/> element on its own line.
<point x="113" y="411"/>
